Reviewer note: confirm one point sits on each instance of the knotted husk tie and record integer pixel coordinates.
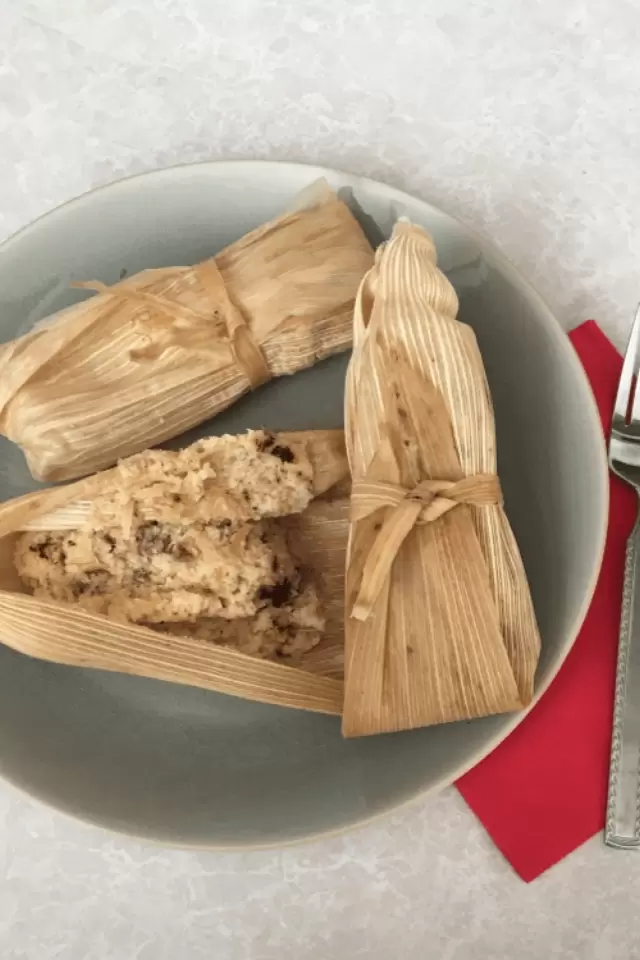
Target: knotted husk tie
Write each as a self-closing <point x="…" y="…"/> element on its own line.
<point x="247" y="354"/>
<point x="425" y="503"/>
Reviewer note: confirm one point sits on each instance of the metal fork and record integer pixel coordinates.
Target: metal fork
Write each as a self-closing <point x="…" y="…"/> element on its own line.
<point x="622" y="828"/>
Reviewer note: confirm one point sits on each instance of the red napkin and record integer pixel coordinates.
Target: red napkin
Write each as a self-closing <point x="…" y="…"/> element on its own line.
<point x="543" y="792"/>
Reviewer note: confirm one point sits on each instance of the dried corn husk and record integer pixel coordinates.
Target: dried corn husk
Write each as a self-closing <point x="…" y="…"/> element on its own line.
<point x="440" y="624"/>
<point x="146" y="359"/>
<point x="318" y="538"/>
<point x="64" y="634"/>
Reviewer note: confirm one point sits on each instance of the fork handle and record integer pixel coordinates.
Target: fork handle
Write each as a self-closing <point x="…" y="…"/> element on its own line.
<point x="622" y="828"/>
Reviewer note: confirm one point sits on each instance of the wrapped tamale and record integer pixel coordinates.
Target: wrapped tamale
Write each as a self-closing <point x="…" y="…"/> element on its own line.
<point x="145" y="359"/>
<point x="219" y="566"/>
<point x="439" y="620"/>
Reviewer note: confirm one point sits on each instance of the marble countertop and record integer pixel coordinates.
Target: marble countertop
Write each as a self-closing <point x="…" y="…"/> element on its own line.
<point x="521" y="118"/>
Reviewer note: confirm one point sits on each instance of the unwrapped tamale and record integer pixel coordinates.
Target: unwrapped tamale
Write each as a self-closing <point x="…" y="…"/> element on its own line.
<point x="142" y="361"/>
<point x="439" y="620"/>
<point x="219" y="566"/>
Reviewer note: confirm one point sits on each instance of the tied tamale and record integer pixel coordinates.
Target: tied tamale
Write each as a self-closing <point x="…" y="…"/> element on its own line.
<point x="143" y="360"/>
<point x="219" y="566"/>
<point x="439" y="620"/>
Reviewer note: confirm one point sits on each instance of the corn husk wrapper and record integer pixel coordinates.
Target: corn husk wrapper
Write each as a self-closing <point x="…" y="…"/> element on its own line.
<point x="146" y="359"/>
<point x="65" y="634"/>
<point x="318" y="538"/>
<point x="439" y="620"/>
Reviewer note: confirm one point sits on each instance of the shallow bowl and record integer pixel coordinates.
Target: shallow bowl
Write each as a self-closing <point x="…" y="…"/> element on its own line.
<point x="190" y="767"/>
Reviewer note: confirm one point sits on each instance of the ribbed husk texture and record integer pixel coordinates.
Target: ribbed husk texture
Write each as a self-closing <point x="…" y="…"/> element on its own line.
<point x="439" y="620"/>
<point x="65" y="634"/>
<point x="146" y="359"/>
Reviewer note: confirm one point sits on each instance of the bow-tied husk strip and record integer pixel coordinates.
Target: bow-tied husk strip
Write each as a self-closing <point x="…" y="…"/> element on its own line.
<point x="451" y="632"/>
<point x="399" y="510"/>
<point x="247" y="354"/>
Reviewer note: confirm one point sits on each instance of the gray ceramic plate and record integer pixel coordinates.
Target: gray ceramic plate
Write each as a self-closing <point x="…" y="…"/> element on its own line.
<point x="189" y="767"/>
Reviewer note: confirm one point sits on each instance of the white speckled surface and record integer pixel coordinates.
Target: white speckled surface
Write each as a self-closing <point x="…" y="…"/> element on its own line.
<point x="520" y="117"/>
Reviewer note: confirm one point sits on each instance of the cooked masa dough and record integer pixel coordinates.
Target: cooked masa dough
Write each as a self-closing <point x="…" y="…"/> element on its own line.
<point x="155" y="550"/>
<point x="158" y="572"/>
<point x="248" y="477"/>
<point x="289" y="625"/>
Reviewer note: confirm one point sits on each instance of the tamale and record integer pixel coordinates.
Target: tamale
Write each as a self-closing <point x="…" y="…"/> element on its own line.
<point x="439" y="620"/>
<point x="66" y="633"/>
<point x="145" y="359"/>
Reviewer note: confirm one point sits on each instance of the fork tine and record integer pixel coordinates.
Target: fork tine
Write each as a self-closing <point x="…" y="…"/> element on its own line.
<point x="629" y="369"/>
<point x="635" y="410"/>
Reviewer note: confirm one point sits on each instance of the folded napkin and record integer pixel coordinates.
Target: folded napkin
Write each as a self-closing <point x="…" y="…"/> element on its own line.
<point x="543" y="792"/>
